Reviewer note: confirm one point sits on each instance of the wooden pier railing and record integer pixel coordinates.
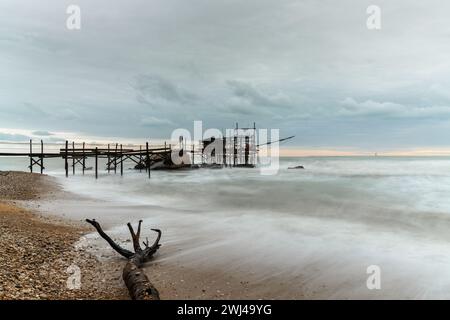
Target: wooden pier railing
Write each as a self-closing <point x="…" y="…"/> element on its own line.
<point x="115" y="156"/>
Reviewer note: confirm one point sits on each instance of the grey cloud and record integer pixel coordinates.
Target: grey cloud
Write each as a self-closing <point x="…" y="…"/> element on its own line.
<point x="34" y="112"/>
<point x="351" y="107"/>
<point x="240" y="106"/>
<point x="13" y="137"/>
<point x="255" y="96"/>
<point x="288" y="64"/>
<point x="154" y="121"/>
<point x="150" y="88"/>
<point x="58" y="113"/>
<point x="42" y="133"/>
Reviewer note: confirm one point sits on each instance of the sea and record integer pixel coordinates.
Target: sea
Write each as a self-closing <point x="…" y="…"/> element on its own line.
<point x="342" y="227"/>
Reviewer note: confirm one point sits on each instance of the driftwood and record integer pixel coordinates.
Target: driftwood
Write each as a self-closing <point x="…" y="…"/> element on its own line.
<point x="138" y="284"/>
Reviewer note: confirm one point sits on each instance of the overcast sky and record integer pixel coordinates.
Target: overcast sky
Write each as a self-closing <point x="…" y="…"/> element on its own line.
<point x="139" y="69"/>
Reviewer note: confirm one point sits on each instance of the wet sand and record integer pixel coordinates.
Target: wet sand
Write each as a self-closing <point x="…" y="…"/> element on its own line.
<point x="171" y="277"/>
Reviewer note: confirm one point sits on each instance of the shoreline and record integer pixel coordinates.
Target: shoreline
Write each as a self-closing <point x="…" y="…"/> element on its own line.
<point x="223" y="255"/>
<point x="184" y="267"/>
<point x="39" y="256"/>
<point x="59" y="242"/>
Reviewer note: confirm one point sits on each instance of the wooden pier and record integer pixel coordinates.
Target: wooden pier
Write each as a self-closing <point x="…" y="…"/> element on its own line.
<point x="116" y="155"/>
<point x="238" y="149"/>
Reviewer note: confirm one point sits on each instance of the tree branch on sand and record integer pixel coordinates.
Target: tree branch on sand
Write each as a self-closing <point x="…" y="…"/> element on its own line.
<point x="138" y="284"/>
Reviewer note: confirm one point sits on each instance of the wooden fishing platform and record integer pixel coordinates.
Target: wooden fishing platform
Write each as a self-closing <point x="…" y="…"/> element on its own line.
<point x="238" y="149"/>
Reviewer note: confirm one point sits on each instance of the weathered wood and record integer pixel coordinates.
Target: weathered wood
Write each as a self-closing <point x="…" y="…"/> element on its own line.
<point x="140" y="158"/>
<point x="234" y="150"/>
<point x="148" y="163"/>
<point x="66" y="159"/>
<point x="109" y="160"/>
<point x="144" y="157"/>
<point x="42" y="157"/>
<point x="115" y="159"/>
<point x="224" y="151"/>
<point x="121" y="160"/>
<point x="137" y="282"/>
<point x="73" y="157"/>
<point x="96" y="163"/>
<point x="127" y="254"/>
<point x="84" y="159"/>
<point x="31" y="157"/>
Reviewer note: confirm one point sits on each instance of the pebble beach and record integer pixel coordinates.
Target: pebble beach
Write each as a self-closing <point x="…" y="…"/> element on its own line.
<point x="39" y="259"/>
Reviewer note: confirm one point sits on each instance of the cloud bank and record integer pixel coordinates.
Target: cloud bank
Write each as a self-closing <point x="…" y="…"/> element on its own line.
<point x="142" y="68"/>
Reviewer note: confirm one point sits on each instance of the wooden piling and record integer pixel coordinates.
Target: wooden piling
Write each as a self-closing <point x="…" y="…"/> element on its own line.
<point x="121" y="160"/>
<point x="42" y="157"/>
<point x="148" y="159"/>
<point x="96" y="162"/>
<point x="73" y="157"/>
<point x="84" y="158"/>
<point x="224" y="151"/>
<point x="247" y="149"/>
<point x="66" y="159"/>
<point x="140" y="158"/>
<point x="192" y="163"/>
<point x="109" y="160"/>
<point x="31" y="156"/>
<point x="115" y="159"/>
<point x="234" y="151"/>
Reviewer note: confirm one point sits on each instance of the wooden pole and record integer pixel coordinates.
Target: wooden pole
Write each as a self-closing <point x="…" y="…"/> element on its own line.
<point x="140" y="158"/>
<point x="96" y="162"/>
<point x="42" y="157"/>
<point x="66" y="160"/>
<point x="84" y="158"/>
<point x="247" y="149"/>
<point x="253" y="146"/>
<point x="236" y="145"/>
<point x="148" y="159"/>
<point x="224" y="151"/>
<point x="234" y="150"/>
<point x="115" y="159"/>
<point x="31" y="155"/>
<point x="192" y="155"/>
<point x="121" y="161"/>
<point x="73" y="157"/>
<point x="109" y="159"/>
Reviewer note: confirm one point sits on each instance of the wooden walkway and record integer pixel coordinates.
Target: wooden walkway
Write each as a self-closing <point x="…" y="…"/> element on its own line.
<point x="238" y="150"/>
<point x="115" y="156"/>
